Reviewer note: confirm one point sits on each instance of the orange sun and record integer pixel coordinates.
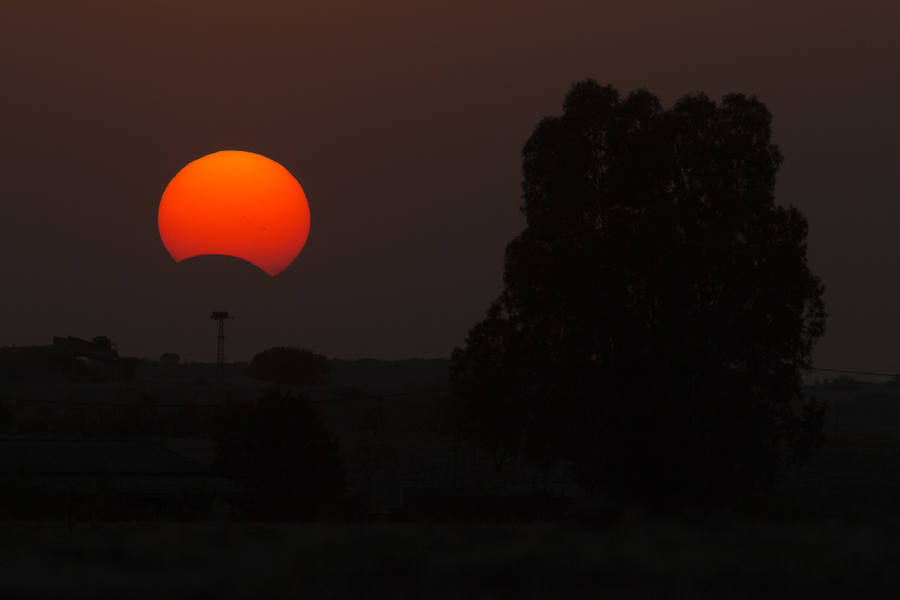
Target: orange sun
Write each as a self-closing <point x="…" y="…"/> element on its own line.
<point x="237" y="204"/>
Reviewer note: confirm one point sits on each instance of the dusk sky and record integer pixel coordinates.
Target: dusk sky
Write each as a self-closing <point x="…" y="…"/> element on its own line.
<point x="403" y="122"/>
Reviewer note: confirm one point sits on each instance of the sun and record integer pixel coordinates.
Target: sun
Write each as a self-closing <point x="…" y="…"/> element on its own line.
<point x="238" y="204"/>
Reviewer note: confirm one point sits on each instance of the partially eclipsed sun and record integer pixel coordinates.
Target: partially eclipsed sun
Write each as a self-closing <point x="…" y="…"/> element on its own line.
<point x="237" y="204"/>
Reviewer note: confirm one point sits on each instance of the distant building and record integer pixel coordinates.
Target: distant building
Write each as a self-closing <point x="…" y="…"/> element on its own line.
<point x="67" y="359"/>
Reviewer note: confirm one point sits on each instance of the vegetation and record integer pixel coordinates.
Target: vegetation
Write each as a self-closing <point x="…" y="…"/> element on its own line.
<point x="170" y="358"/>
<point x="643" y="558"/>
<point x="282" y="452"/>
<point x="657" y="310"/>
<point x="290" y="366"/>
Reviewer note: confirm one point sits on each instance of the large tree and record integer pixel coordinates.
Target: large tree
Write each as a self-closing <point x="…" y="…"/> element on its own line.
<point x="657" y="310"/>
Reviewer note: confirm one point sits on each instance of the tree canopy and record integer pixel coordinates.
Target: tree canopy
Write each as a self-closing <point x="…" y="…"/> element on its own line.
<point x="290" y="366"/>
<point x="657" y="310"/>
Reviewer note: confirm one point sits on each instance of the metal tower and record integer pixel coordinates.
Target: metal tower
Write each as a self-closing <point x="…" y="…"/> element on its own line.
<point x="220" y="316"/>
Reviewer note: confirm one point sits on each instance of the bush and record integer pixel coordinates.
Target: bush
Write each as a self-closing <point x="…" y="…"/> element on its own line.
<point x="280" y="450"/>
<point x="290" y="366"/>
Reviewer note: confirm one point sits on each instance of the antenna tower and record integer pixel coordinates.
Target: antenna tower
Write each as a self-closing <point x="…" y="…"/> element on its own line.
<point x="220" y="316"/>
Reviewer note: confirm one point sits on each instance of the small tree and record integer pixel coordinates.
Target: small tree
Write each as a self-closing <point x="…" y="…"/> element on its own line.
<point x="280" y="449"/>
<point x="290" y="366"/>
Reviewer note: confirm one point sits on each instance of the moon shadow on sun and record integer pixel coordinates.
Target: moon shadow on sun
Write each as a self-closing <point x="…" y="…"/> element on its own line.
<point x="235" y="203"/>
<point x="224" y="266"/>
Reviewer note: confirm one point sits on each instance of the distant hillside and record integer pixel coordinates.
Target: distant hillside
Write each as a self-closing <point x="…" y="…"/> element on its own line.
<point x="410" y="374"/>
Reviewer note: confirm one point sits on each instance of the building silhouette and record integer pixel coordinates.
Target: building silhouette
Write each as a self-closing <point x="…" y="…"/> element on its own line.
<point x="67" y="359"/>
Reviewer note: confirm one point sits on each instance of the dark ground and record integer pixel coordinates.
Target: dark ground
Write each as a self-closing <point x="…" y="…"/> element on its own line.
<point x="831" y="529"/>
<point x="724" y="557"/>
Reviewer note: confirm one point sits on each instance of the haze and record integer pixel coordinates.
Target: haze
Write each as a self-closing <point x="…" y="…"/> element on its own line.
<point x="403" y="123"/>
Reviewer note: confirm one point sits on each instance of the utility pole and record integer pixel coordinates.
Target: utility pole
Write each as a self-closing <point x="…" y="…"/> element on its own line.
<point x="220" y="316"/>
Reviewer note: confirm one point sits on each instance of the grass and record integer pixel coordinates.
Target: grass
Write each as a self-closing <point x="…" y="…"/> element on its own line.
<point x="723" y="557"/>
<point x="808" y="550"/>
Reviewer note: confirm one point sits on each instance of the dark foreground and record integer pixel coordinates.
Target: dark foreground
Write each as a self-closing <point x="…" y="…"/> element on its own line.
<point x="719" y="557"/>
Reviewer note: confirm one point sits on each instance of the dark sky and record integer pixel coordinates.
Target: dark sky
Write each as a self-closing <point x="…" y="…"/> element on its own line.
<point x="403" y="121"/>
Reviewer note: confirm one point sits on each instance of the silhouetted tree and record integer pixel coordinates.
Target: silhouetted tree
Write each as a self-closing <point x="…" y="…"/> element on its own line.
<point x="281" y="450"/>
<point x="290" y="366"/>
<point x="657" y="309"/>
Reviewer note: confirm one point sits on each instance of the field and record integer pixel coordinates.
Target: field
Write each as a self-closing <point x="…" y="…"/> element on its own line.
<point x="721" y="557"/>
<point x="831" y="528"/>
